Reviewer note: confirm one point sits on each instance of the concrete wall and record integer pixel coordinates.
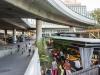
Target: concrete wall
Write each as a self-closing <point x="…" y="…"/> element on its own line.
<point x="34" y="65"/>
<point x="7" y="52"/>
<point x="10" y="49"/>
<point x="34" y="11"/>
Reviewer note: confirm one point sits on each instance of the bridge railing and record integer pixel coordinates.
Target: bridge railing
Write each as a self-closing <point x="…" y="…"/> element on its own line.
<point x="63" y="8"/>
<point x="89" y="71"/>
<point x="87" y="15"/>
<point x="34" y="65"/>
<point x="12" y="48"/>
<point x="7" y="50"/>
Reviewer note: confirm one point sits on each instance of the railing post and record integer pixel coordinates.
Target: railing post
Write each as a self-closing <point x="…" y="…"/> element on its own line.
<point x="99" y="56"/>
<point x="94" y="70"/>
<point x="99" y="70"/>
<point x="86" y="55"/>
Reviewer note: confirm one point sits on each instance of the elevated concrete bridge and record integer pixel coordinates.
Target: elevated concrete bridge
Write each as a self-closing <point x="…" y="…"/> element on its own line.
<point x="11" y="23"/>
<point x="48" y="10"/>
<point x="12" y="12"/>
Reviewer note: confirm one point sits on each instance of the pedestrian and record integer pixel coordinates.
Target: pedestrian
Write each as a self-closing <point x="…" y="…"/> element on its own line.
<point x="18" y="48"/>
<point x="26" y="46"/>
<point x="62" y="55"/>
<point x="54" y="67"/>
<point x="67" y="67"/>
<point x="61" y="70"/>
<point x="22" y="51"/>
<point x="29" y="49"/>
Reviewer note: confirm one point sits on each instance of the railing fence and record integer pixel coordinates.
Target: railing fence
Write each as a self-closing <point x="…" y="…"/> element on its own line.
<point x="89" y="71"/>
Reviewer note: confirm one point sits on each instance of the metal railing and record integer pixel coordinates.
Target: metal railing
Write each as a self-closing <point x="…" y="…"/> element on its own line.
<point x="86" y="15"/>
<point x="7" y="50"/>
<point x="89" y="71"/>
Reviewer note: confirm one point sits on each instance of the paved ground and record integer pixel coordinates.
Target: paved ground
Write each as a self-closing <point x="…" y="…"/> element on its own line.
<point x="15" y="64"/>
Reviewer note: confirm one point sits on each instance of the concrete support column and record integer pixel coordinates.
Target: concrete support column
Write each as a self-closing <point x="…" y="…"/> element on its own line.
<point x="5" y="31"/>
<point x="89" y="35"/>
<point x="86" y="55"/>
<point x="98" y="35"/>
<point x="14" y="36"/>
<point x="99" y="56"/>
<point x="5" y="35"/>
<point x="23" y="36"/>
<point x="38" y="30"/>
<point x="80" y="36"/>
<point x="49" y="34"/>
<point x="72" y="29"/>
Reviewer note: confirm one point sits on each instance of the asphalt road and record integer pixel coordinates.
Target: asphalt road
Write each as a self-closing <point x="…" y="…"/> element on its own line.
<point x="15" y="64"/>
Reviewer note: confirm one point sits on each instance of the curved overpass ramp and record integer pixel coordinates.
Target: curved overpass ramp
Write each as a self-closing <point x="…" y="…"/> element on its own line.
<point x="48" y="10"/>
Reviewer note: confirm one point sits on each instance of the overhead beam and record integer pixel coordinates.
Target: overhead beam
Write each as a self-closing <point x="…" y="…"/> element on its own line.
<point x="14" y="23"/>
<point x="37" y="12"/>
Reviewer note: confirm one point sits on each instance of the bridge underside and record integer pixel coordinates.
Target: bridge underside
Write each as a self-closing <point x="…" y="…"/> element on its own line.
<point x="13" y="23"/>
<point x="34" y="9"/>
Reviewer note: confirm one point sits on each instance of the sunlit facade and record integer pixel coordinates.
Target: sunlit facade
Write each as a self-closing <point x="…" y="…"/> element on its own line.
<point x="71" y="1"/>
<point x="80" y="9"/>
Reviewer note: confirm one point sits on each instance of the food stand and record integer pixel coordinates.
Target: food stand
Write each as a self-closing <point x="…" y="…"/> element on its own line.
<point x="85" y="45"/>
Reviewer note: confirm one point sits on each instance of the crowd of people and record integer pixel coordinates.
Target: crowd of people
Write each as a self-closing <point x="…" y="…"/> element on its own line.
<point x="61" y="65"/>
<point x="26" y="48"/>
<point x="63" y="68"/>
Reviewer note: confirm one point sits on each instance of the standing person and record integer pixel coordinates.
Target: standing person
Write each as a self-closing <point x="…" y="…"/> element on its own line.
<point x="29" y="49"/>
<point x="61" y="70"/>
<point x="67" y="67"/>
<point x="62" y="55"/>
<point x="54" y="68"/>
<point x="18" y="48"/>
<point x="26" y="46"/>
<point x="22" y="51"/>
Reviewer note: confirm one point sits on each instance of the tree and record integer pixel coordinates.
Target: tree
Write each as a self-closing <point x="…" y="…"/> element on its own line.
<point x="45" y="59"/>
<point x="96" y="14"/>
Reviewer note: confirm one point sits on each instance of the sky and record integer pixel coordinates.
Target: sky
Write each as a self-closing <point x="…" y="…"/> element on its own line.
<point x="91" y="4"/>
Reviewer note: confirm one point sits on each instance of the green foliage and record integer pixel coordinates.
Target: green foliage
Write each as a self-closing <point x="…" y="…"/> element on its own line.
<point x="44" y="57"/>
<point x="96" y="14"/>
<point x="61" y="44"/>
